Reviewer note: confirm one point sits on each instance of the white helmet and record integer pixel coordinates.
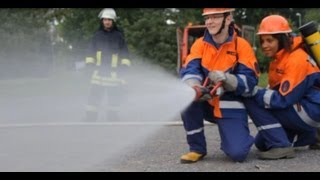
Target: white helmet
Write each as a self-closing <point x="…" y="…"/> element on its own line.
<point x="108" y="13"/>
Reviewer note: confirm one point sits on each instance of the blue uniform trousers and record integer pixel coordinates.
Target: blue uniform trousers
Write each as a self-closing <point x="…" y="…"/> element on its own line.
<point x="279" y="127"/>
<point x="236" y="140"/>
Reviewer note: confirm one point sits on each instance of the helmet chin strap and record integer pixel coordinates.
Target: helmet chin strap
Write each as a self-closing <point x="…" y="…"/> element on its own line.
<point x="223" y="24"/>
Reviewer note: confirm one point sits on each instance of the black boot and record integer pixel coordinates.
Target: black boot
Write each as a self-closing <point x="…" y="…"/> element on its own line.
<point x="316" y="146"/>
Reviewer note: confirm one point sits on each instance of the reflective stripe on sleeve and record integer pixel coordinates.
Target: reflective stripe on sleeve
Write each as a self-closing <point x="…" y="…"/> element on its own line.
<point x="89" y="60"/>
<point x="267" y="98"/>
<point x="126" y="62"/>
<point x="99" y="56"/>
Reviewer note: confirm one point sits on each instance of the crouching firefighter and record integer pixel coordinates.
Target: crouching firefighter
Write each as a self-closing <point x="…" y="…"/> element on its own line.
<point x="226" y="59"/>
<point x="287" y="112"/>
<point x="108" y="57"/>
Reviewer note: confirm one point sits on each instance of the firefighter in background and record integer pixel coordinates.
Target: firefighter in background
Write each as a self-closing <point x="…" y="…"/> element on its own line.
<point x="223" y="57"/>
<point x="108" y="54"/>
<point x="287" y="112"/>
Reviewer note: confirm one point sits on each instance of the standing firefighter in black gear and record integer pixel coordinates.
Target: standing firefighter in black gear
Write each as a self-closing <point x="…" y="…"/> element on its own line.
<point x="108" y="56"/>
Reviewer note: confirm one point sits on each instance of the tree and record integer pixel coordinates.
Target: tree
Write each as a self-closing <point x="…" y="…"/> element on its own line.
<point x="25" y="42"/>
<point x="150" y="32"/>
<point x="154" y="38"/>
<point x="312" y="14"/>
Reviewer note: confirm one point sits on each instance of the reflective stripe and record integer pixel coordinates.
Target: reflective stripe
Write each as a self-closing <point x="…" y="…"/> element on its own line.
<point x="305" y="117"/>
<point x="114" y="60"/>
<point x="270" y="126"/>
<point x="91" y="108"/>
<point x="89" y="60"/>
<point x="244" y="79"/>
<point x="194" y="131"/>
<point x="95" y="82"/>
<point x="106" y="81"/>
<point x="267" y="98"/>
<point x="126" y="62"/>
<point x="99" y="54"/>
<point x="191" y="76"/>
<point x="95" y="75"/>
<point x="231" y="105"/>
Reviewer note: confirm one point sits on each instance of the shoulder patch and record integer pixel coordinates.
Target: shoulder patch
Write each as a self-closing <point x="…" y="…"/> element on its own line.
<point x="285" y="86"/>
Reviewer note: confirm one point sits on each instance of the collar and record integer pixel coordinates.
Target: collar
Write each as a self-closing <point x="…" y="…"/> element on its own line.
<point x="208" y="38"/>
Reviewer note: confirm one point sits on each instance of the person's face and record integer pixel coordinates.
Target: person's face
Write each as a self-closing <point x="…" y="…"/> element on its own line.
<point x="107" y="23"/>
<point x="214" y="22"/>
<point x="269" y="45"/>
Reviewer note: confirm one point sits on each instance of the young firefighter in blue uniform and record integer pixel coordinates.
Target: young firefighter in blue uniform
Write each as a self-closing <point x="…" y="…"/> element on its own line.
<point x="108" y="54"/>
<point x="287" y="112"/>
<point x="223" y="57"/>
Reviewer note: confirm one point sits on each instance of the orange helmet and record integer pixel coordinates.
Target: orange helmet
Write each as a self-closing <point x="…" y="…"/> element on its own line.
<point x="274" y="24"/>
<point x="207" y="11"/>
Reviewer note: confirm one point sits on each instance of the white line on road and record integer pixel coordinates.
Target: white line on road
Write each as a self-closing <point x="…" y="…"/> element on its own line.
<point x="55" y="124"/>
<point x="24" y="125"/>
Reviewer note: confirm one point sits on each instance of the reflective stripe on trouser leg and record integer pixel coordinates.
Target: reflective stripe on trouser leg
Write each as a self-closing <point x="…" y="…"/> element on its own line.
<point x="192" y="118"/>
<point x="95" y="98"/>
<point x="290" y="118"/>
<point x="305" y="117"/>
<point x="270" y="132"/>
<point x="236" y="140"/>
<point x="112" y="80"/>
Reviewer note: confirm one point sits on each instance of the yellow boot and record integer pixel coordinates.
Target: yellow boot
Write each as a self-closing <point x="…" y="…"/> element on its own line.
<point x="191" y="157"/>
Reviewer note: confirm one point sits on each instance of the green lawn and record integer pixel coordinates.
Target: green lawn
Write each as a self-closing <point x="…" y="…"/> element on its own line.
<point x="263" y="80"/>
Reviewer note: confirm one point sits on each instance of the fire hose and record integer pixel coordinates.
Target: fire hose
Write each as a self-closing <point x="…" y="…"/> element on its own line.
<point x="208" y="89"/>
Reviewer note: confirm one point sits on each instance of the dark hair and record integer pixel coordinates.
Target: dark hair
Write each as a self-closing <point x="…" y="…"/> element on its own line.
<point x="285" y="41"/>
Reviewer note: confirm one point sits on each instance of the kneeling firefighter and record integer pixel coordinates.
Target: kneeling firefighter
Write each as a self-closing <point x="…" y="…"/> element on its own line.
<point x="286" y="113"/>
<point x="109" y="58"/>
<point x="222" y="57"/>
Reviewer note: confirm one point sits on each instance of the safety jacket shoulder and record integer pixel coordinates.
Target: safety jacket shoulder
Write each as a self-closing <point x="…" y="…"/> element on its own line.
<point x="293" y="76"/>
<point x="235" y="56"/>
<point x="288" y="70"/>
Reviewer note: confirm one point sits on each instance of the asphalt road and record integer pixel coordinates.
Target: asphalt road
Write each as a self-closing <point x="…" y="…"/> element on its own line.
<point x="125" y="147"/>
<point x="162" y="151"/>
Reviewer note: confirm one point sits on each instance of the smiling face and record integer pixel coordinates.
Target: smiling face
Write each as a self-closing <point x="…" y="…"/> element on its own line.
<point x="215" y="21"/>
<point x="269" y="45"/>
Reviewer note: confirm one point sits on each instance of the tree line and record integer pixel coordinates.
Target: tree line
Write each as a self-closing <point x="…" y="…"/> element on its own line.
<point x="60" y="36"/>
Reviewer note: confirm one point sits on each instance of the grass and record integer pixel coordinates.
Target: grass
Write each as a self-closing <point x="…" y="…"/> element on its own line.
<point x="263" y="80"/>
